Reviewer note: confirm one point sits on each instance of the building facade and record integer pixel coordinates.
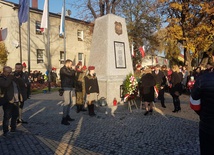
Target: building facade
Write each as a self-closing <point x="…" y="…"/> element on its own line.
<point x="77" y="42"/>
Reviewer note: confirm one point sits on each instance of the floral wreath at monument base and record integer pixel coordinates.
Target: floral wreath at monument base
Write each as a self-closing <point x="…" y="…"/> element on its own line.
<point x="130" y="85"/>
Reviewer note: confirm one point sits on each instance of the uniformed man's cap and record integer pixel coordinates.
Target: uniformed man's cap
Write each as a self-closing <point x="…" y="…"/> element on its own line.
<point x="91" y="68"/>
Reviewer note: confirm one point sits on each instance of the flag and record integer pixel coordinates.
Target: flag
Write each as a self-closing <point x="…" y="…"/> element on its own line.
<point x="156" y="91"/>
<point x="3" y="34"/>
<point x="142" y="51"/>
<point x="166" y="62"/>
<point x="44" y="22"/>
<point x="132" y="50"/>
<point x="195" y="104"/>
<point x="156" y="60"/>
<point x="62" y="24"/>
<point x="23" y="11"/>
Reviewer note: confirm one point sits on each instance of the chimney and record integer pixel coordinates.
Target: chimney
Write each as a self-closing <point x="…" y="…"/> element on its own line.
<point x="35" y="4"/>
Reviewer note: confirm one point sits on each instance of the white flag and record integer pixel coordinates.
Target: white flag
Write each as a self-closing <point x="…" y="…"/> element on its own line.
<point x="62" y="24"/>
<point x="44" y="22"/>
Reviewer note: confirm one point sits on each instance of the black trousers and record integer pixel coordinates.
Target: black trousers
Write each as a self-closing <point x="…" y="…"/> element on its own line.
<point x="161" y="96"/>
<point x="11" y="111"/>
<point x="206" y="143"/>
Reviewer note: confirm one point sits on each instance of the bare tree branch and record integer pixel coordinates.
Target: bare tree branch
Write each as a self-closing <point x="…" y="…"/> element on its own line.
<point x="91" y="9"/>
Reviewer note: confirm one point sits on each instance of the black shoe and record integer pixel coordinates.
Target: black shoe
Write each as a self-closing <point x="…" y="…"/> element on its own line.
<point x="163" y="106"/>
<point x="68" y="118"/>
<point x="82" y="108"/>
<point x="5" y="133"/>
<point x="175" y="110"/>
<point x="12" y="130"/>
<point x="21" y="121"/>
<point x="65" y="121"/>
<point x="146" y="113"/>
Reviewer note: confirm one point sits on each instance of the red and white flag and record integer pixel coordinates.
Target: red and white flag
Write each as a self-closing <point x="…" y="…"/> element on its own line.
<point x="195" y="104"/>
<point x="156" y="91"/>
<point x="156" y="60"/>
<point x="142" y="51"/>
<point x="165" y="61"/>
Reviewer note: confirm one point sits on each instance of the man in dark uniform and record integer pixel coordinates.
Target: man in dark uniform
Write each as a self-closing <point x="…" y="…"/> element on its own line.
<point x="12" y="87"/>
<point x="24" y="77"/>
<point x="67" y="76"/>
<point x="160" y="80"/>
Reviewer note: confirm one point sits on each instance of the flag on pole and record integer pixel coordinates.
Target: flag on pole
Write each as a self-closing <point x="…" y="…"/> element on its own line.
<point x="3" y="34"/>
<point x="156" y="60"/>
<point x="23" y="11"/>
<point x="132" y="50"/>
<point x="44" y="22"/>
<point x="142" y="51"/>
<point x="166" y="62"/>
<point x="62" y="24"/>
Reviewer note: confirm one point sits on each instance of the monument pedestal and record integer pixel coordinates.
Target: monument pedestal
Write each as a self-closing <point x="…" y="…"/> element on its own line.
<point x="111" y="56"/>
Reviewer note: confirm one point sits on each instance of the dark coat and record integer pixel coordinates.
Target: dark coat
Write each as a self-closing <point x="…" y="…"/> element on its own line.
<point x="176" y="79"/>
<point x="147" y="85"/>
<point x="160" y="78"/>
<point x="6" y="84"/>
<point x="91" y="84"/>
<point x="203" y="89"/>
<point x="67" y="77"/>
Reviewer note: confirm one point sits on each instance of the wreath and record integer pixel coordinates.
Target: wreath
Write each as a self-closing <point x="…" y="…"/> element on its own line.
<point x="129" y="87"/>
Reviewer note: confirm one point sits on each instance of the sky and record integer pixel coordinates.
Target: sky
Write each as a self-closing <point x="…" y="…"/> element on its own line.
<point x="55" y="6"/>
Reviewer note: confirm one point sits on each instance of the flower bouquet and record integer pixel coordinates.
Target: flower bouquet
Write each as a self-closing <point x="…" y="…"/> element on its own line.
<point x="130" y="87"/>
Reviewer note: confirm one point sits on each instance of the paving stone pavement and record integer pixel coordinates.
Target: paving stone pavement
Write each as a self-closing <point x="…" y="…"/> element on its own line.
<point x="125" y="133"/>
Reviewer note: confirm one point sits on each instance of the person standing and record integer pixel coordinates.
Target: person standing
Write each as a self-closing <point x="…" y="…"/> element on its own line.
<point x="176" y="87"/>
<point x="91" y="89"/>
<point x="24" y="77"/>
<point x="80" y="91"/>
<point x="11" y="86"/>
<point x="203" y="89"/>
<point x="160" y="80"/>
<point x="67" y="76"/>
<point x="147" y="85"/>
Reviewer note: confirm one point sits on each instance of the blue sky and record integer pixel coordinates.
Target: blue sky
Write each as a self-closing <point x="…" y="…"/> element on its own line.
<point x="55" y="6"/>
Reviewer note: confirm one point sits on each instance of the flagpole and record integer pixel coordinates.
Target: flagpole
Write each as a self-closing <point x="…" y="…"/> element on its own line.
<point x="28" y="41"/>
<point x="48" y="47"/>
<point x="20" y="43"/>
<point x="64" y="32"/>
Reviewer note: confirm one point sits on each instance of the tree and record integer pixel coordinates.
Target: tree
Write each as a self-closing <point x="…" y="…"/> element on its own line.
<point x="143" y="21"/>
<point x="92" y="9"/>
<point x="190" y="25"/>
<point x="3" y="54"/>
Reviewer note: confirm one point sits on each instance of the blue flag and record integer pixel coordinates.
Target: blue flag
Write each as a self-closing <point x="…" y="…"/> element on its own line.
<point x="23" y="11"/>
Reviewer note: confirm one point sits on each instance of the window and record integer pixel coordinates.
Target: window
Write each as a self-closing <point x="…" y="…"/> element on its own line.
<point x="39" y="30"/>
<point x="40" y="56"/>
<point x="80" y="57"/>
<point x="80" y="35"/>
<point x="61" y="57"/>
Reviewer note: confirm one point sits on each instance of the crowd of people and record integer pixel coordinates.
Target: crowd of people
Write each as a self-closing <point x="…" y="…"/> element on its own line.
<point x="79" y="87"/>
<point x="199" y="84"/>
<point x="160" y="79"/>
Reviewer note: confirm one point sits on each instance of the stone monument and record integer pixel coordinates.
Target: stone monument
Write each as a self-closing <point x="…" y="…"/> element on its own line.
<point x="111" y="56"/>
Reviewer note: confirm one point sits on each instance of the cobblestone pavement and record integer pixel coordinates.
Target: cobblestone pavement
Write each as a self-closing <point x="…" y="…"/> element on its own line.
<point x="125" y="133"/>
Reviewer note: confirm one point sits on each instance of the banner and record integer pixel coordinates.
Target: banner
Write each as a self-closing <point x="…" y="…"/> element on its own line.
<point x="23" y="11"/>
<point x="62" y="24"/>
<point x="44" y="22"/>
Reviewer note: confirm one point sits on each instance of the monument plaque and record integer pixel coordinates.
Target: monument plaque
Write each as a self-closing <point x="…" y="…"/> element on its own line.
<point x="120" y="57"/>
